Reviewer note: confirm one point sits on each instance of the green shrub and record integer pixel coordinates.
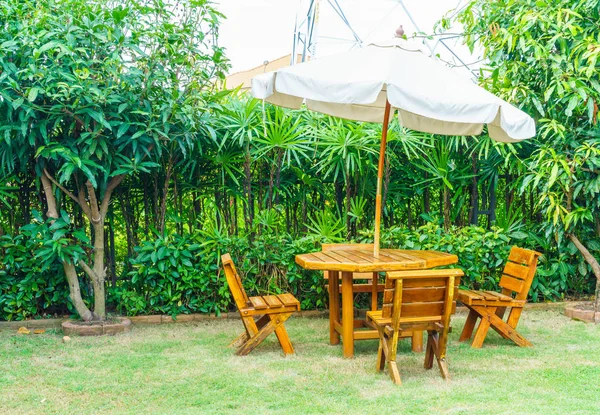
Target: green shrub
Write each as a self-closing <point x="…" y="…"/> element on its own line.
<point x="30" y="287"/>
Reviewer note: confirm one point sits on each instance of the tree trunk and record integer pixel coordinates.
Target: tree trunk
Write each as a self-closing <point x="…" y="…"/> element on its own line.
<point x="248" y="188"/>
<point x="70" y="272"/>
<point x="593" y="262"/>
<point x="446" y="203"/>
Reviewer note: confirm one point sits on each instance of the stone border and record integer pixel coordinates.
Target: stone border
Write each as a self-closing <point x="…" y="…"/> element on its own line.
<point x="588" y="316"/>
<point x="55" y="323"/>
<point x="76" y="328"/>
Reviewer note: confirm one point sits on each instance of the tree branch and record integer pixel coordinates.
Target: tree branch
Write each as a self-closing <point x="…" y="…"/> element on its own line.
<point x="90" y="272"/>
<point x="114" y="182"/>
<point x="53" y="180"/>
<point x="96" y="218"/>
<point x="52" y="213"/>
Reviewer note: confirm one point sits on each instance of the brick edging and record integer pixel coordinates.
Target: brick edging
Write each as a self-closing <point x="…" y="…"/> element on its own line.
<point x="55" y="323"/>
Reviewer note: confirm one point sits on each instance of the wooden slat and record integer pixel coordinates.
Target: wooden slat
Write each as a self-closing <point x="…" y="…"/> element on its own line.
<point x="515" y="270"/>
<point x="348" y="257"/>
<point x="419" y="295"/>
<point x="382" y="257"/>
<point x="272" y="301"/>
<point x="488" y="296"/>
<point x="521" y="256"/>
<point x="475" y="295"/>
<point x="498" y="296"/>
<point x="258" y="303"/>
<point x="511" y="283"/>
<point x="399" y="256"/>
<point x="386" y="310"/>
<point x="322" y="257"/>
<point x="424" y="309"/>
<point x="288" y="300"/>
<point x="428" y="273"/>
<point x="342" y="247"/>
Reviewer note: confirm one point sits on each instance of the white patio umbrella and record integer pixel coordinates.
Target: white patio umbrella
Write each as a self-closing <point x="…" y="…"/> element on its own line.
<point x="365" y="84"/>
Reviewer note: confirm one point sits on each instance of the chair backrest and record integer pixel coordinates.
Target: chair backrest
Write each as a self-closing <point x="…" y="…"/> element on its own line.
<point x="519" y="271"/>
<point x="423" y="296"/>
<point x="347" y="247"/>
<point x="234" y="282"/>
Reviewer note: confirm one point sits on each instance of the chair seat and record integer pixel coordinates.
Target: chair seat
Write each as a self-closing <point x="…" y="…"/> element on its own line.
<point x="407" y="323"/>
<point x="488" y="298"/>
<point x="271" y="304"/>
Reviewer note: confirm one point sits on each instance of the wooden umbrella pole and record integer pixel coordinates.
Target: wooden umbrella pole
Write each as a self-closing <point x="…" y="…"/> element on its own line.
<point x="384" y="131"/>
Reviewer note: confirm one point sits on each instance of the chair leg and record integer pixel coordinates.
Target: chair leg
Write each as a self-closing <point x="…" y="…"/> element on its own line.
<point x="241" y="339"/>
<point x="394" y="373"/>
<point x="481" y="333"/>
<point x="503" y="328"/>
<point x="284" y="340"/>
<point x="434" y="349"/>
<point x="251" y="327"/>
<point x="429" y="352"/>
<point x="275" y="321"/>
<point x="380" y="357"/>
<point x="469" y="326"/>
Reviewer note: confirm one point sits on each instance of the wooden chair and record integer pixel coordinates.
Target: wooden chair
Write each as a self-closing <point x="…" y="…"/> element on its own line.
<point x="490" y="306"/>
<point x="413" y="301"/>
<point x="270" y="311"/>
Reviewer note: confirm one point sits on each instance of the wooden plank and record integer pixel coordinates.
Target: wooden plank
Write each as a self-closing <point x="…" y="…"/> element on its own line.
<point x="246" y="312"/>
<point x="511" y="283"/>
<point x="488" y="296"/>
<point x="288" y="299"/>
<point x="364" y="247"/>
<point x="499" y="296"/>
<point x="382" y="257"/>
<point x="400" y="256"/>
<point x="366" y="334"/>
<point x="421" y="294"/>
<point x="348" y="257"/>
<point x="475" y="295"/>
<point x="429" y="273"/>
<point x="521" y="256"/>
<point x="515" y="270"/>
<point x="258" y="303"/>
<point x="272" y="301"/>
<point x="424" y="309"/>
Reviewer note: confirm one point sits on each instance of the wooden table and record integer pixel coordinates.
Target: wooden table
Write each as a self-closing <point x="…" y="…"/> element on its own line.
<point x="347" y="262"/>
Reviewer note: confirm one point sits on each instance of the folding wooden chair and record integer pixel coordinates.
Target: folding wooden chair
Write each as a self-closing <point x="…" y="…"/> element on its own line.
<point x="270" y="311"/>
<point x="413" y="301"/>
<point x="490" y="306"/>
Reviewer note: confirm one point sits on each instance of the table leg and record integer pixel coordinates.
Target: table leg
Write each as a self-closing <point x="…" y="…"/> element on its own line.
<point x="334" y="306"/>
<point x="347" y="314"/>
<point x="417" y="341"/>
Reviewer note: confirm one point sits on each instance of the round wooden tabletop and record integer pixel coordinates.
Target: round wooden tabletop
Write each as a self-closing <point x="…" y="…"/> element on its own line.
<point x="357" y="260"/>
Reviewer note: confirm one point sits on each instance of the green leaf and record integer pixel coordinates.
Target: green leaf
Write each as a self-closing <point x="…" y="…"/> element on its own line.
<point x="33" y="93"/>
<point x="122" y="129"/>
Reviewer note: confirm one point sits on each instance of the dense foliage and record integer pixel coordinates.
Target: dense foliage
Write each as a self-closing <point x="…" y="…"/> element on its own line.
<point x="202" y="173"/>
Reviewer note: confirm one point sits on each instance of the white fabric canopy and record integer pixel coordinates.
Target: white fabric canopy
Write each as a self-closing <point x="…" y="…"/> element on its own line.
<point x="429" y="96"/>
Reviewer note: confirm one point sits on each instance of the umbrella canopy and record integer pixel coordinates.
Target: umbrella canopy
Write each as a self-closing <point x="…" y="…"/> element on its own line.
<point x="366" y="84"/>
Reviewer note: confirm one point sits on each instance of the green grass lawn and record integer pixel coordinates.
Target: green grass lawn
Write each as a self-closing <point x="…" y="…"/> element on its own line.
<point x="187" y="369"/>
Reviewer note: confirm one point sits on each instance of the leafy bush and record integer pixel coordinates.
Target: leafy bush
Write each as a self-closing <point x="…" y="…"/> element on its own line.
<point x="30" y="287"/>
<point x="177" y="274"/>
